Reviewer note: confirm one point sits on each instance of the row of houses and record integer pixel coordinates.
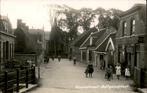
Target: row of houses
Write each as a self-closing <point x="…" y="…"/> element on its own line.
<point x="21" y="43"/>
<point x="125" y="46"/>
<point x="29" y="41"/>
<point x="7" y="41"/>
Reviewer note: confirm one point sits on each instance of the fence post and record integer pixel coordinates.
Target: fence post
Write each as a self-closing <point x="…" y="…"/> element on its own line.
<point x="6" y="81"/>
<point x="17" y="81"/>
<point x="33" y="75"/>
<point x="27" y="78"/>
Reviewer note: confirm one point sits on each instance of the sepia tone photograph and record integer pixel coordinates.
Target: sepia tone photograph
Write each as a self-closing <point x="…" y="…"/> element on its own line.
<point x="73" y="46"/>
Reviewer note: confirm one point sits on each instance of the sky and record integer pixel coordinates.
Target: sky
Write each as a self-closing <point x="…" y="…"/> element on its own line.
<point x="35" y="13"/>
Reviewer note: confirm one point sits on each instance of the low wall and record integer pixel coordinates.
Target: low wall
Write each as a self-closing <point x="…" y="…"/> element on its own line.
<point x="25" y="57"/>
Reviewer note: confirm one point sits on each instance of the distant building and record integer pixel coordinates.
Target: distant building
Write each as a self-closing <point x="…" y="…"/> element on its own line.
<point x="23" y="39"/>
<point x="130" y="42"/>
<point x="29" y="41"/>
<point x="7" y="41"/>
<point x="39" y="42"/>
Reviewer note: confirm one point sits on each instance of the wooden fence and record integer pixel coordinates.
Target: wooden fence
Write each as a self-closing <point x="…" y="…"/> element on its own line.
<point x="15" y="80"/>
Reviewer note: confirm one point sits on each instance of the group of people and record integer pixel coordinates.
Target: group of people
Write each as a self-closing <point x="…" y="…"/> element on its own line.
<point x="109" y="72"/>
<point x="89" y="71"/>
<point x="59" y="58"/>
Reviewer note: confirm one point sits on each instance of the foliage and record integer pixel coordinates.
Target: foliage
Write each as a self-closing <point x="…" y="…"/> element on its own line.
<point x="57" y="40"/>
<point x="86" y="16"/>
<point x="66" y="21"/>
<point x="108" y="17"/>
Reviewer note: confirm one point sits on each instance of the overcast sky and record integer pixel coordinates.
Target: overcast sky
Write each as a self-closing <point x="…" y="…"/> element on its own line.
<point x="35" y="12"/>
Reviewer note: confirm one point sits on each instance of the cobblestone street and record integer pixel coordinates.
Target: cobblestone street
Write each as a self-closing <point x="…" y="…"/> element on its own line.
<point x="64" y="77"/>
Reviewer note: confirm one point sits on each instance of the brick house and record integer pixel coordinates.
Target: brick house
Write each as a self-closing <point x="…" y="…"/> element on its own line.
<point x="7" y="41"/>
<point x="98" y="45"/>
<point x="130" y="41"/>
<point x="86" y="48"/>
<point x="105" y="49"/>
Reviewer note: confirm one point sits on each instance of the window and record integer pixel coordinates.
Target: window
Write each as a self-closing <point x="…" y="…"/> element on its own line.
<point x="124" y="29"/>
<point x="132" y="26"/>
<point x="84" y="56"/>
<point x="101" y="57"/>
<point x="91" y="40"/>
<point x="90" y="55"/>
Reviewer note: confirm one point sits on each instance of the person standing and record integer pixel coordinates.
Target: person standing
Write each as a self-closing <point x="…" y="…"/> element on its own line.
<point x="69" y="57"/>
<point x="118" y="71"/>
<point x="108" y="73"/>
<point x="74" y="60"/>
<point x="127" y="72"/>
<point x="91" y="70"/>
<point x="86" y="72"/>
<point x="111" y="72"/>
<point x="48" y="59"/>
<point x="52" y="58"/>
<point x="59" y="58"/>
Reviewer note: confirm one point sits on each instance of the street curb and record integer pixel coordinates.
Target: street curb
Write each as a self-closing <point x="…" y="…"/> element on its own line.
<point x="142" y="90"/>
<point x="29" y="89"/>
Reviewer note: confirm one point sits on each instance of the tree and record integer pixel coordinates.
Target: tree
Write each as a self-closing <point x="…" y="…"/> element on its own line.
<point x="108" y="18"/>
<point x="115" y="13"/>
<point x="85" y="18"/>
<point x="66" y="20"/>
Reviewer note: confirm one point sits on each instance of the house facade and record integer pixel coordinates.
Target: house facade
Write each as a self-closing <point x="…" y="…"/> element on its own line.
<point x="105" y="50"/>
<point x="7" y="41"/>
<point x="74" y="49"/>
<point x="130" y="41"/>
<point x="87" y="47"/>
<point x="99" y="48"/>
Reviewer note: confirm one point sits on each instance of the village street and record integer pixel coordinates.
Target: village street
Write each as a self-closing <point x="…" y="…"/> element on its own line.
<point x="64" y="77"/>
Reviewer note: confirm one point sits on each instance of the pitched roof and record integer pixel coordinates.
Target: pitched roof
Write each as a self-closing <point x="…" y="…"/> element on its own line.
<point x="5" y="24"/>
<point x="102" y="47"/>
<point x="80" y="39"/>
<point x="106" y="35"/>
<point x="134" y="8"/>
<point x="96" y="36"/>
<point x="100" y="39"/>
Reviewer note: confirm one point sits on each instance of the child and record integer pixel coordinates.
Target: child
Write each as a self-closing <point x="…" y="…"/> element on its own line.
<point x="74" y="59"/>
<point x="108" y="73"/>
<point x="86" y="72"/>
<point x="127" y="73"/>
<point x="118" y="71"/>
<point x="111" y="72"/>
